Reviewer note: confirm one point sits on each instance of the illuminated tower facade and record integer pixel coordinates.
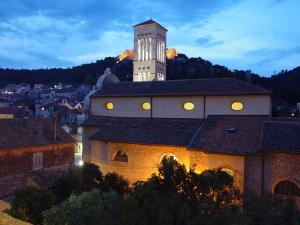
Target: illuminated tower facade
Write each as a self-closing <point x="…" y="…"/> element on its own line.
<point x="149" y="61"/>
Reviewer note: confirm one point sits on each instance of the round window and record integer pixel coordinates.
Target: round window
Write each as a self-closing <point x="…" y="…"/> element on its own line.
<point x="237" y="106"/>
<point x="188" y="106"/>
<point x="146" y="106"/>
<point x="109" y="105"/>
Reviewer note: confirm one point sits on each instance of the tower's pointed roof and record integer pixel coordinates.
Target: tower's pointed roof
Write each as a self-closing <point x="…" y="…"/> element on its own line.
<point x="151" y="21"/>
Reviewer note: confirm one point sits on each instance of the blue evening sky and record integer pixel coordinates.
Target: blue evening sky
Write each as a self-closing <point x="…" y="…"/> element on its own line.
<point x="261" y="35"/>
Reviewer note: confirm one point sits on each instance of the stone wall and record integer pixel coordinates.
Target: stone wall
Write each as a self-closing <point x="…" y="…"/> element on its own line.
<point x="265" y="173"/>
<point x="280" y="166"/>
<point x="86" y="143"/>
<point x="253" y="174"/>
<point x="143" y="160"/>
<point x="201" y="161"/>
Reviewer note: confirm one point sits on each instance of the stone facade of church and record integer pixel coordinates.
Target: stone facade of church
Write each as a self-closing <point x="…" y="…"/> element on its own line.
<point x="205" y="124"/>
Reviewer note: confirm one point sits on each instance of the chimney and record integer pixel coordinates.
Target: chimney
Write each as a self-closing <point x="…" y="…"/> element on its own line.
<point x="55" y="115"/>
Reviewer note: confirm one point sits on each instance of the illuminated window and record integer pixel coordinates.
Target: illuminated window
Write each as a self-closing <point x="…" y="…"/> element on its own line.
<point x="37" y="161"/>
<point x="287" y="188"/>
<point x="121" y="157"/>
<point x="109" y="105"/>
<point x="237" y="106"/>
<point x="228" y="171"/>
<point x="188" y="106"/>
<point x="146" y="106"/>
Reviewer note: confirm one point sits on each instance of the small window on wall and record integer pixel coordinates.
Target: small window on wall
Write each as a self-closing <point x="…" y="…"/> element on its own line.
<point x="37" y="161"/>
<point x="109" y="105"/>
<point x="189" y="106"/>
<point x="121" y="157"/>
<point x="228" y="171"/>
<point x="146" y="106"/>
<point x="237" y="106"/>
<point x="287" y="188"/>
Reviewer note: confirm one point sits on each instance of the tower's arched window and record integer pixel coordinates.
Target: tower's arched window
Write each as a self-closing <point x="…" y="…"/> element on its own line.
<point x="287" y="188"/>
<point x="121" y="157"/>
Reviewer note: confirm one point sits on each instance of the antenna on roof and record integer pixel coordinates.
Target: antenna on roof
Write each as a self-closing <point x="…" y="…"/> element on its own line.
<point x="151" y="13"/>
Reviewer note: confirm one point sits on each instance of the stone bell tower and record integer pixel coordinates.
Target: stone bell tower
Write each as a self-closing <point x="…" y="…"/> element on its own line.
<point x="149" y="61"/>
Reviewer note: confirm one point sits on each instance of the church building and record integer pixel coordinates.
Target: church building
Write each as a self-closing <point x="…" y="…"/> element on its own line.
<point x="216" y="123"/>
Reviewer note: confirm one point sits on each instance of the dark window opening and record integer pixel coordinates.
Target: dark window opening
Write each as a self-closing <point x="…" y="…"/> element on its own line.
<point x="121" y="157"/>
<point x="287" y="188"/>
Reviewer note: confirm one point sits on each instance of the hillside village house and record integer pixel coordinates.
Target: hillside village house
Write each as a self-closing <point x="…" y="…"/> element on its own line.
<point x="32" y="151"/>
<point x="205" y="124"/>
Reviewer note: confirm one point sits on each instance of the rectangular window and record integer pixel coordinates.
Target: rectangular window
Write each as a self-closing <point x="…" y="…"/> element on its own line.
<point x="37" y="161"/>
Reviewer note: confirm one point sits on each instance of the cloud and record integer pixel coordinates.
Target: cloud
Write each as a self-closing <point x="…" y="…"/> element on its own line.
<point x="237" y="33"/>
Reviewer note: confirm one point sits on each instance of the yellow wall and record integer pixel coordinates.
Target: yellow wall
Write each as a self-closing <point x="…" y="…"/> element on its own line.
<point x="6" y="116"/>
<point x="143" y="160"/>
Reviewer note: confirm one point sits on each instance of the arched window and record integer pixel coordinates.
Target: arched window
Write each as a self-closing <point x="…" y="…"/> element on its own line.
<point x="121" y="157"/>
<point x="228" y="171"/>
<point x="287" y="188"/>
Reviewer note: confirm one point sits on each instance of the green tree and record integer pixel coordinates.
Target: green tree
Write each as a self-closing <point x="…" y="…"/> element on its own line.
<point x="29" y="203"/>
<point x="77" y="180"/>
<point x="115" y="182"/>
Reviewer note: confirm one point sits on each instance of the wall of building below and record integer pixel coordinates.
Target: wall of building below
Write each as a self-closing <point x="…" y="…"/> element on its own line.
<point x="262" y="174"/>
<point x="21" y="160"/>
<point x="86" y="143"/>
<point x="201" y="161"/>
<point x="144" y="160"/>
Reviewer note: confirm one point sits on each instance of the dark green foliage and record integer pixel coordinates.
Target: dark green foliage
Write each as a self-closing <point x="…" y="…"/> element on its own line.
<point x="115" y="182"/>
<point x="285" y="85"/>
<point x="78" y="180"/>
<point x="29" y="203"/>
<point x="87" y="178"/>
<point x="174" y="196"/>
<point x="270" y="210"/>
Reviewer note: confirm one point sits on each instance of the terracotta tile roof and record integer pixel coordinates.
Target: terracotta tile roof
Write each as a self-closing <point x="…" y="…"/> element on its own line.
<point x="18" y="133"/>
<point x="281" y="136"/>
<point x="237" y="135"/>
<point x="175" y="132"/>
<point x="213" y="86"/>
<point x="229" y="134"/>
<point x="9" y="110"/>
